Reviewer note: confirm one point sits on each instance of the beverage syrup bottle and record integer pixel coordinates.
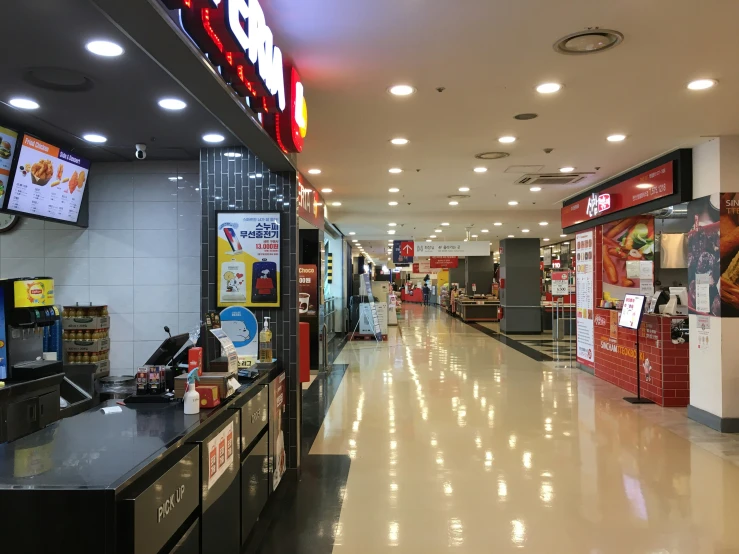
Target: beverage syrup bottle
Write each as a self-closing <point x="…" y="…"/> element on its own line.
<point x="265" y="343"/>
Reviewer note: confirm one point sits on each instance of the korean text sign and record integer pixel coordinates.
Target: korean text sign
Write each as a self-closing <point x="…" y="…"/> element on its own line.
<point x="248" y="262"/>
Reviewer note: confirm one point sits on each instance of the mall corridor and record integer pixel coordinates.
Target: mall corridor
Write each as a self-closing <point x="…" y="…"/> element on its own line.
<point x="459" y="443"/>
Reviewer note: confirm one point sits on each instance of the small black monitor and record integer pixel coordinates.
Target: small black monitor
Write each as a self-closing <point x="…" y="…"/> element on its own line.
<point x="167" y="350"/>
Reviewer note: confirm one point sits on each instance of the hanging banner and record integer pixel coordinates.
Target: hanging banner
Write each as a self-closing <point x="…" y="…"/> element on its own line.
<point x="248" y="262"/>
<point x="585" y="297"/>
<point x="469" y="248"/>
<point x="307" y="289"/>
<point x="444" y="262"/>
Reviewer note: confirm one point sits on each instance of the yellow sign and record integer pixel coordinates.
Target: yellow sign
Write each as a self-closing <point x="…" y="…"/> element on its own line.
<point x="33" y="294"/>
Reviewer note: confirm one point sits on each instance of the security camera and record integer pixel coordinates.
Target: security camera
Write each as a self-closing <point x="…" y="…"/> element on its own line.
<point x="140" y="151"/>
<point x="548" y="150"/>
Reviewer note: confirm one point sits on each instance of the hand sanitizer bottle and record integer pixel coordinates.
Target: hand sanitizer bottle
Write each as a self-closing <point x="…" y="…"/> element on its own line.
<point x="265" y="343"/>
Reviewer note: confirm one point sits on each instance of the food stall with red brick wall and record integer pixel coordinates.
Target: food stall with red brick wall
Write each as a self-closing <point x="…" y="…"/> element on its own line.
<point x="614" y="230"/>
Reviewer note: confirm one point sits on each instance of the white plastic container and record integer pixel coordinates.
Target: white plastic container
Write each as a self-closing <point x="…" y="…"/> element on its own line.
<point x="191" y="400"/>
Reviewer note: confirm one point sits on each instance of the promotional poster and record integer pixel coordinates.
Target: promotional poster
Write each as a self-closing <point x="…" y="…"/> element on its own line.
<point x="8" y="138"/>
<point x="248" y="262"/>
<point x="308" y="289"/>
<point x="705" y="256"/>
<point x="241" y="327"/>
<point x="279" y="461"/>
<point x="585" y="296"/>
<point x="628" y="258"/>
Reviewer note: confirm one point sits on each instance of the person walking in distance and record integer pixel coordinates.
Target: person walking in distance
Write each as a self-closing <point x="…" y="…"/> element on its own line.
<point x="426" y="293"/>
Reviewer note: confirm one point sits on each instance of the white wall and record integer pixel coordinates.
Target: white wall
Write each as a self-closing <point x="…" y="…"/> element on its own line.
<point x="140" y="254"/>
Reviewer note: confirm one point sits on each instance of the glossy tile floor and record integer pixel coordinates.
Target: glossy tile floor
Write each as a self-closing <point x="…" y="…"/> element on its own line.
<point x="459" y="443"/>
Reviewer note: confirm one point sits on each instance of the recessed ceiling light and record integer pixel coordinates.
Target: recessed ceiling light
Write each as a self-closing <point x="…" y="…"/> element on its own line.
<point x="702" y="84"/>
<point x="616" y="138"/>
<point x="336" y="204"/>
<point x="392" y="203"/>
<point x="395" y="170"/>
<point x="535" y="189"/>
<point x="399" y="141"/>
<point x="524" y="230"/>
<point x="391" y="232"/>
<point x="437" y="230"/>
<point x="480" y="169"/>
<point x="401" y="90"/>
<point x="428" y="240"/>
<point x="548" y="88"/>
<point x="327" y="191"/>
<point x="497" y="224"/>
<point x="392" y="224"/>
<point x="232" y="154"/>
<point x="432" y="236"/>
<point x="644" y="186"/>
<point x="588" y="41"/>
<point x="172" y="104"/>
<point x="359" y="244"/>
<point x="314" y="171"/>
<point x="543" y="223"/>
<point x="464" y="189"/>
<point x="511" y="236"/>
<point x="513" y="203"/>
<point x="354" y="240"/>
<point x="484" y="230"/>
<point x="562" y="236"/>
<point x="394" y="189"/>
<point x="445" y="225"/>
<point x="23" y="103"/>
<point x="352" y="233"/>
<point x="507" y="139"/>
<point x="474" y="236"/>
<point x="566" y="169"/>
<point x="213" y="137"/>
<point x="104" y="48"/>
<point x="453" y="203"/>
<point x="178" y="178"/>
<point x="92" y="137"/>
<point x="546" y="240"/>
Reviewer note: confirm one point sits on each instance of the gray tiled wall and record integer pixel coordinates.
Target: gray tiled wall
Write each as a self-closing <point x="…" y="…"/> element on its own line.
<point x="241" y="182"/>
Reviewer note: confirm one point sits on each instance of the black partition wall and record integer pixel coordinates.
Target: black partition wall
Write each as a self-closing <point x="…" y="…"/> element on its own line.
<point x="242" y="182"/>
<point x="520" y="293"/>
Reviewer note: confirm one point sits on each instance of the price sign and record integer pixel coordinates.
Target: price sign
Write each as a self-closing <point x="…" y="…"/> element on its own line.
<point x="560" y="283"/>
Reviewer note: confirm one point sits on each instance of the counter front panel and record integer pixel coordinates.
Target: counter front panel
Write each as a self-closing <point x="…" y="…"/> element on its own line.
<point x="663" y="366"/>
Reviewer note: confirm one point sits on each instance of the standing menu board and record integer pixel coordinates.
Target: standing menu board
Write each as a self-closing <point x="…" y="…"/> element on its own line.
<point x="585" y="296"/>
<point x="49" y="182"/>
<point x="632" y="311"/>
<point x="248" y="262"/>
<point x="8" y="139"/>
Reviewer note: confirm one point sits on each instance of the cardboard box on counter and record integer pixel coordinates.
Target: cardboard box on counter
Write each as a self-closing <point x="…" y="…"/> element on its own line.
<point x="98" y="345"/>
<point x="219" y="379"/>
<point x="97" y="322"/>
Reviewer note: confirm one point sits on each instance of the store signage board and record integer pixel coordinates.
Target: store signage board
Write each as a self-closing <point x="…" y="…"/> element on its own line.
<point x="444" y="262"/>
<point x="632" y="311"/>
<point x="403" y="251"/>
<point x="468" y="248"/>
<point x="650" y="185"/>
<point x="248" y="261"/>
<point x="8" y="140"/>
<point x="560" y="283"/>
<point x="310" y="204"/>
<point x="236" y="37"/>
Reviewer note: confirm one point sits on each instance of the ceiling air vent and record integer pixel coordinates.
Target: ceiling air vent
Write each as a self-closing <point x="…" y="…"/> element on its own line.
<point x="552" y="178"/>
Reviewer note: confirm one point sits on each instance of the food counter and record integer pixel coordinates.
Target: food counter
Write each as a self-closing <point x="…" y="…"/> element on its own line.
<point x="663" y="366"/>
<point x="477" y="309"/>
<point x="416" y="295"/>
<point x="148" y="479"/>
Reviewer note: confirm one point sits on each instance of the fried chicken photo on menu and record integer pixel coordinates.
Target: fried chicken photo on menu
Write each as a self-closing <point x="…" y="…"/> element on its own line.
<point x="81" y="179"/>
<point x="60" y="172"/>
<point x="41" y="172"/>
<point x="73" y="182"/>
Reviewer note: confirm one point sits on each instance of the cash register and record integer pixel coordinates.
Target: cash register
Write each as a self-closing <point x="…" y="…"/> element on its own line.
<point x="29" y="395"/>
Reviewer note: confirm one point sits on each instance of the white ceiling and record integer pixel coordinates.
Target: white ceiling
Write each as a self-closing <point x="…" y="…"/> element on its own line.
<point x="490" y="55"/>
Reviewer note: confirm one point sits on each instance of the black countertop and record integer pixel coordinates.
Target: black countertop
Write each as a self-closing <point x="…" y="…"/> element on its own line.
<point x="93" y="450"/>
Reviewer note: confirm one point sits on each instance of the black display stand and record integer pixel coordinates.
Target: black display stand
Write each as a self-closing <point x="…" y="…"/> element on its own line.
<point x="638" y="399"/>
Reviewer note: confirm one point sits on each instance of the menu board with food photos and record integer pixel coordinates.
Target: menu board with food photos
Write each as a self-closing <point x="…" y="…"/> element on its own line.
<point x="49" y="182"/>
<point x="8" y="138"/>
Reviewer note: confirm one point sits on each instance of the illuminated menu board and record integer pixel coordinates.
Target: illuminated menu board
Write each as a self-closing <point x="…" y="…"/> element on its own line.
<point x="49" y="182"/>
<point x="8" y="138"/>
